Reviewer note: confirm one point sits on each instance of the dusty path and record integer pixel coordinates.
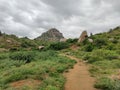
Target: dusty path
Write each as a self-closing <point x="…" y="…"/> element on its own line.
<point x="79" y="77"/>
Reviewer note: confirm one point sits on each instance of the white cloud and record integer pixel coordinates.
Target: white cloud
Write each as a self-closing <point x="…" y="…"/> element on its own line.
<point x="33" y="17"/>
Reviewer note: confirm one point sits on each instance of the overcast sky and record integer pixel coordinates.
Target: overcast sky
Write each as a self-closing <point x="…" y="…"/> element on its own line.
<point x="33" y="17"/>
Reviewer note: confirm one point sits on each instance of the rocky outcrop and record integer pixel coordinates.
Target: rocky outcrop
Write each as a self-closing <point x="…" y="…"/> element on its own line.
<point x="90" y="40"/>
<point x="83" y="36"/>
<point x="51" y="35"/>
<point x="41" y="47"/>
<point x="63" y="40"/>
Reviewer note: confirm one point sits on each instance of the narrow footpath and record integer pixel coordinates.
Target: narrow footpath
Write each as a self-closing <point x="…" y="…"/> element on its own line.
<point x="79" y="77"/>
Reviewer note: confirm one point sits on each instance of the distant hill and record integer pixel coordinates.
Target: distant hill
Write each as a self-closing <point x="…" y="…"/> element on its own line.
<point x="12" y="42"/>
<point x="8" y="41"/>
<point x="51" y="35"/>
<point x="111" y="35"/>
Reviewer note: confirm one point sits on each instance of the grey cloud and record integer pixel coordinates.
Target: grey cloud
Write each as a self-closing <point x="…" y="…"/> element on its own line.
<point x="65" y="7"/>
<point x="33" y="17"/>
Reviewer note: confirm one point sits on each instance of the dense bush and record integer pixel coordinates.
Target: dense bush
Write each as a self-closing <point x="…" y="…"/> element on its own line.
<point x="14" y="49"/>
<point x="59" y="46"/>
<point x="25" y="56"/>
<point x="110" y="47"/>
<point x="105" y="84"/>
<point x="72" y="40"/>
<point x="44" y="55"/>
<point x="27" y="44"/>
<point x="99" y="42"/>
<point x="108" y="84"/>
<point x="101" y="54"/>
<point x="115" y="41"/>
<point x="85" y="42"/>
<point x="93" y="59"/>
<point x="89" y="47"/>
<point x="117" y="85"/>
<point x="47" y="67"/>
<point x="3" y="56"/>
<point x="53" y="83"/>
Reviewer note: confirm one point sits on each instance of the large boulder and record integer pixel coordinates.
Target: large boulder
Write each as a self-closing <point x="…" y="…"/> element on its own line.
<point x="90" y="40"/>
<point x="83" y="36"/>
<point x="41" y="47"/>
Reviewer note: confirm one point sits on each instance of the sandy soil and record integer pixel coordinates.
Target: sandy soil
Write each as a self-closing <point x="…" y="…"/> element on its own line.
<point x="28" y="82"/>
<point x="79" y="77"/>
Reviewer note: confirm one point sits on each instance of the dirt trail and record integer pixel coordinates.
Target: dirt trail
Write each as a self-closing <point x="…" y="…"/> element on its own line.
<point x="79" y="77"/>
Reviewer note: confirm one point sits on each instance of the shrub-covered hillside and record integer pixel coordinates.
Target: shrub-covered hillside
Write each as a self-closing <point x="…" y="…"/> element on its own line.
<point x="103" y="54"/>
<point x="13" y="43"/>
<point x="22" y="67"/>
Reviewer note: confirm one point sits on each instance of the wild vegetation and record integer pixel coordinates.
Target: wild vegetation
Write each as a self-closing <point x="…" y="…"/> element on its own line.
<point x="20" y="60"/>
<point x="45" y="66"/>
<point x="104" y="57"/>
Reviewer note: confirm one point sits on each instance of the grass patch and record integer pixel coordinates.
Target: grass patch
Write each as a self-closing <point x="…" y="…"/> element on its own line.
<point x="46" y="66"/>
<point x="108" y="84"/>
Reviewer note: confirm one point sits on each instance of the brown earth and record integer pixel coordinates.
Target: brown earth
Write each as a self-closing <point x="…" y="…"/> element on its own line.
<point x="79" y="77"/>
<point x="32" y="84"/>
<point x="74" y="47"/>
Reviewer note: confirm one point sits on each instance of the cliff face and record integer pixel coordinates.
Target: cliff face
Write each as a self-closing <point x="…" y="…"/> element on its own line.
<point x="51" y="35"/>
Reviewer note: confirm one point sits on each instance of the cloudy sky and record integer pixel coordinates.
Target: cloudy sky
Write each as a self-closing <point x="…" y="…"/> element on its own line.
<point x="32" y="17"/>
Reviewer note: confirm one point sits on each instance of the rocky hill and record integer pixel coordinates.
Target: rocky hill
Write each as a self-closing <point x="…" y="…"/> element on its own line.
<point x="51" y="35"/>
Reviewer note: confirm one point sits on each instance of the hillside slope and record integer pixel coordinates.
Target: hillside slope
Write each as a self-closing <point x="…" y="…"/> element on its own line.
<point x="103" y="54"/>
<point x="12" y="42"/>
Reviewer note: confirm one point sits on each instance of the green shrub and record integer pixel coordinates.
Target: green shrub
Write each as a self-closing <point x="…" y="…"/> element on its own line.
<point x="116" y="85"/>
<point x="118" y="51"/>
<point x="110" y="47"/>
<point x="115" y="41"/>
<point x="45" y="55"/>
<point x="61" y="69"/>
<point x="14" y="49"/>
<point x="100" y="55"/>
<point x="105" y="54"/>
<point x="47" y="67"/>
<point x="85" y="42"/>
<point x="59" y="46"/>
<point x="105" y="84"/>
<point x="25" y="56"/>
<point x="89" y="47"/>
<point x="94" y="59"/>
<point x="26" y="43"/>
<point x="72" y="40"/>
<point x="112" y="57"/>
<point x="49" y="87"/>
<point x="3" y="56"/>
<point x="99" y="42"/>
<point x="108" y="84"/>
<point x="86" y="56"/>
<point x="52" y="83"/>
